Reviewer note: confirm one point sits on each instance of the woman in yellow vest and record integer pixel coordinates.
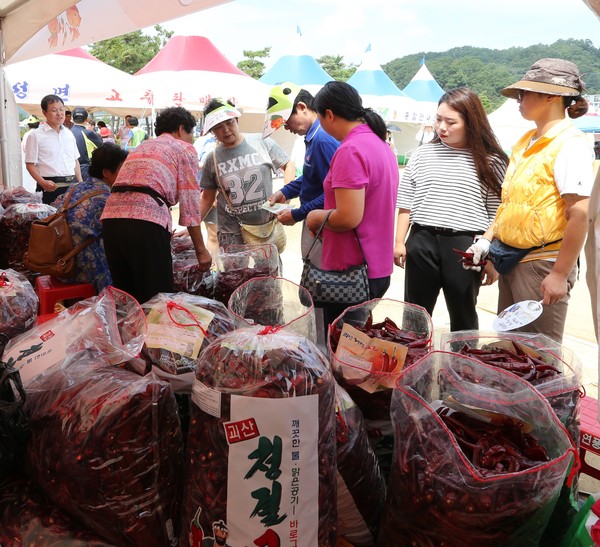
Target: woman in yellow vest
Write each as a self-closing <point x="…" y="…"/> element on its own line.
<point x="541" y="225"/>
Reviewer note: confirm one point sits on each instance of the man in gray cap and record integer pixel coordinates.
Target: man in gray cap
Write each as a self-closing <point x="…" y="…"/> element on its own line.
<point x="86" y="140"/>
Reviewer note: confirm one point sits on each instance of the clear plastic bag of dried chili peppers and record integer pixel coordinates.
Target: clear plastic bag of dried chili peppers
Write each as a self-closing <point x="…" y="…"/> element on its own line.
<point x="187" y="276"/>
<point x="18" y="194"/>
<point x="274" y="301"/>
<point x="29" y="518"/>
<point x="180" y="326"/>
<point x="236" y="264"/>
<point x="15" y="227"/>
<point x="111" y="325"/>
<point x="18" y="303"/>
<point x="479" y="457"/>
<point x="106" y="447"/>
<point x="370" y="344"/>
<point x="553" y="369"/>
<point x="260" y="458"/>
<point x="360" y="483"/>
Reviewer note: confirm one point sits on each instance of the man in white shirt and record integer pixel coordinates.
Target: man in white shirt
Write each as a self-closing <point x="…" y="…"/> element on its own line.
<point x="51" y="154"/>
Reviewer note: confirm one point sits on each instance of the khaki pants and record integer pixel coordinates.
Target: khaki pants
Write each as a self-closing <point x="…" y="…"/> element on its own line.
<point x="524" y="283"/>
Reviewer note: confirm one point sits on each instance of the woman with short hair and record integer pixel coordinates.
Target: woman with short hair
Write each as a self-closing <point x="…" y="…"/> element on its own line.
<point x="137" y="222"/>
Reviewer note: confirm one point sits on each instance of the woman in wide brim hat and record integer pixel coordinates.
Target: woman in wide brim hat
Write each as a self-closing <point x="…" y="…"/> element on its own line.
<point x="545" y="195"/>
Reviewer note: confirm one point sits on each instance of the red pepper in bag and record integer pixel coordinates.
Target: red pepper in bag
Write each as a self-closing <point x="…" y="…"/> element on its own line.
<point x="237" y="264"/>
<point x="369" y="385"/>
<point x="479" y="457"/>
<point x="180" y="326"/>
<point x="106" y="447"/>
<point x="18" y="303"/>
<point x="260" y="456"/>
<point x="552" y="368"/>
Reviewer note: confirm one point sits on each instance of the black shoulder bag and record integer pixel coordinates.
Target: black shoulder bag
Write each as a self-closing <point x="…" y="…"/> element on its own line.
<point x="326" y="287"/>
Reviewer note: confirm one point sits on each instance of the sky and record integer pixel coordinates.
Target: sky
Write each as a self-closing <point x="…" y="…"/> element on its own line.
<point x="393" y="28"/>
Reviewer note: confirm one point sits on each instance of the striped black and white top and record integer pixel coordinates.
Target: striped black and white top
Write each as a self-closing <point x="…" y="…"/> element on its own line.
<point x="440" y="187"/>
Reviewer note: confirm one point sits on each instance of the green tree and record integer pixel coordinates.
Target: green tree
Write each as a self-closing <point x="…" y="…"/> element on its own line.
<point x="334" y="66"/>
<point x="130" y="52"/>
<point x="487" y="71"/>
<point x="252" y="64"/>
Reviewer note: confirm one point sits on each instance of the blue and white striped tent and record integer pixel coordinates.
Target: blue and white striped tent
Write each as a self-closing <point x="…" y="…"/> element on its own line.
<point x="379" y="92"/>
<point x="423" y="87"/>
<point x="299" y="67"/>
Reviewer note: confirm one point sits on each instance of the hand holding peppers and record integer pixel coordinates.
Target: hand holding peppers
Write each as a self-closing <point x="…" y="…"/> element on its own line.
<point x="478" y="251"/>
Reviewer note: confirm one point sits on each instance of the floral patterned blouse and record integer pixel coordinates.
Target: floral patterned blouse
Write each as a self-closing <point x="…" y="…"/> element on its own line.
<point x="84" y="220"/>
<point x="170" y="167"/>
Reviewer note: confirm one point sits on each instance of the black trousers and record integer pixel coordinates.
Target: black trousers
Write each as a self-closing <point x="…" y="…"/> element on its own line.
<point x="432" y="265"/>
<point x="49" y="196"/>
<point x="139" y="256"/>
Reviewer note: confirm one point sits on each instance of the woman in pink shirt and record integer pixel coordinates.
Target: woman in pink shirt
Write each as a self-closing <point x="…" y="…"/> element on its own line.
<point x="360" y="191"/>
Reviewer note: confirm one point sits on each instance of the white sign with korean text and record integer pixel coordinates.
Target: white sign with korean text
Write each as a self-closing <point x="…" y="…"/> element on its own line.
<point x="273" y="475"/>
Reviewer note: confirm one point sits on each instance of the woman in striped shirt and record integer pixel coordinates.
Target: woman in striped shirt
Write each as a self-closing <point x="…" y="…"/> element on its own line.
<point x="448" y="195"/>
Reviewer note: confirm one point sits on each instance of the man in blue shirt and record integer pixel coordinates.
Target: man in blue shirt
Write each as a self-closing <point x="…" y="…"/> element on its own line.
<point x="292" y="107"/>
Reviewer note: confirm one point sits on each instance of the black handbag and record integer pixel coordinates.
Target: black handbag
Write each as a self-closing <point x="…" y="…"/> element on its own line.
<point x="326" y="287"/>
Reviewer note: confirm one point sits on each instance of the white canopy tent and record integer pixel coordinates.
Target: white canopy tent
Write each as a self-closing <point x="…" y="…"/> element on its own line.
<point x="508" y="124"/>
<point x="32" y="28"/>
<point x="80" y="80"/>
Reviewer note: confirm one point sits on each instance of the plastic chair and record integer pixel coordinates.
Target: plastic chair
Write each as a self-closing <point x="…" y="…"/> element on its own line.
<point x="50" y="291"/>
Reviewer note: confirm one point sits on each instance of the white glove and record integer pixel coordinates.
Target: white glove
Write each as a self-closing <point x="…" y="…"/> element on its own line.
<point x="480" y="250"/>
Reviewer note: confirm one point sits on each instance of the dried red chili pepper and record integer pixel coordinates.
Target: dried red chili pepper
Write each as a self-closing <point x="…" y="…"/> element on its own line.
<point x="467" y="259"/>
<point x="106" y="447"/>
<point x="274" y="365"/>
<point x="537" y="367"/>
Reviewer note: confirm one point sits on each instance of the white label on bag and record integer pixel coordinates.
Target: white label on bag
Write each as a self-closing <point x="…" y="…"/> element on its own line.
<point x="183" y="338"/>
<point x="273" y="471"/>
<point x="36" y="354"/>
<point x="206" y="398"/>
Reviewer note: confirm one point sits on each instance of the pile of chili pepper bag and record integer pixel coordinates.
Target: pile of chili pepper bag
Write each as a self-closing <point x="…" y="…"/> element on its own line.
<point x="479" y="457"/>
<point x="371" y="386"/>
<point x="261" y="449"/>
